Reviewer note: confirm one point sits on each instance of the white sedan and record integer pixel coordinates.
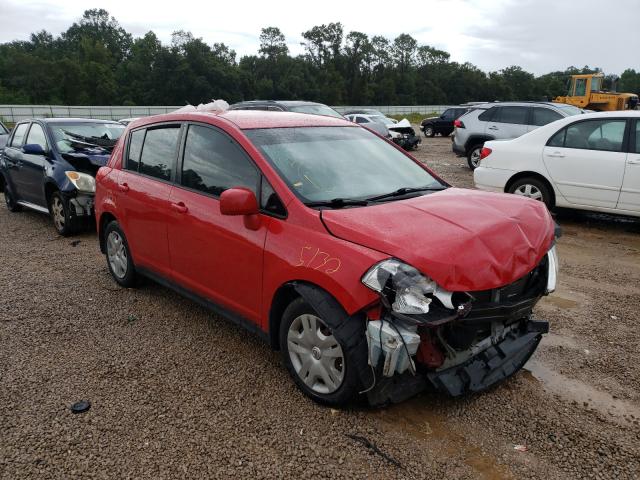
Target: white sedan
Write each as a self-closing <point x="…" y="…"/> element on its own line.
<point x="589" y="162"/>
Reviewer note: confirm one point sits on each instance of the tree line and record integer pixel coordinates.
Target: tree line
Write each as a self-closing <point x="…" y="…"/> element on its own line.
<point x="96" y="62"/>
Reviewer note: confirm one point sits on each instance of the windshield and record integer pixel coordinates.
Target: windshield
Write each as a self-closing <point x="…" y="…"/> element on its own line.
<point x="325" y="163"/>
<point x="568" y="110"/>
<point x="315" y="110"/>
<point x="70" y="137"/>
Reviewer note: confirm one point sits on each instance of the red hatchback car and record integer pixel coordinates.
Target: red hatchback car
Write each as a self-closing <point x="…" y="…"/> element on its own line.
<point x="367" y="271"/>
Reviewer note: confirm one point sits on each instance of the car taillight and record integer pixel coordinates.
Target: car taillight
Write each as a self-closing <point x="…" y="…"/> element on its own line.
<point x="485" y="152"/>
<point x="458" y="124"/>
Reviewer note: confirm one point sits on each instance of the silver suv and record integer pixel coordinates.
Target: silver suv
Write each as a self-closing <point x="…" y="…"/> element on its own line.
<point x="502" y="121"/>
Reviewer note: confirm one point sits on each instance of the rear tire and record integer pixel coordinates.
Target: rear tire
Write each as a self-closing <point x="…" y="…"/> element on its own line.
<point x="429" y="131"/>
<point x="319" y="363"/>
<point x="533" y="188"/>
<point x="473" y="156"/>
<point x="9" y="199"/>
<point x="63" y="221"/>
<point x="118" y="255"/>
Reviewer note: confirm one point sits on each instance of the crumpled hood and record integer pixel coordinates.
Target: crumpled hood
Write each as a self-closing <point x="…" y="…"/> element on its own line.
<point x="465" y="240"/>
<point x="95" y="159"/>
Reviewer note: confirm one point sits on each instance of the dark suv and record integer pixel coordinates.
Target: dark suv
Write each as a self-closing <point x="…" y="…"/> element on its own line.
<point x="442" y="124"/>
<point x="298" y="106"/>
<point x="49" y="165"/>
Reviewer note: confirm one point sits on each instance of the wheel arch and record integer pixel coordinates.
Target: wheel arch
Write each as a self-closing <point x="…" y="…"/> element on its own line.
<point x="49" y="188"/>
<point x="476" y="140"/>
<point x="105" y="219"/>
<point x="537" y="176"/>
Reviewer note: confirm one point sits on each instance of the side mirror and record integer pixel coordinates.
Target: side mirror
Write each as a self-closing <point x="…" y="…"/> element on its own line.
<point x="238" y="201"/>
<point x="33" y="149"/>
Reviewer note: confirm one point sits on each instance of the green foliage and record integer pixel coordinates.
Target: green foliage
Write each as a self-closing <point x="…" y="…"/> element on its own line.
<point x="96" y="62"/>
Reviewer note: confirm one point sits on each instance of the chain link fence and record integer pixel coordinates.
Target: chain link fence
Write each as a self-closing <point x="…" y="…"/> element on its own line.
<point x="15" y="113"/>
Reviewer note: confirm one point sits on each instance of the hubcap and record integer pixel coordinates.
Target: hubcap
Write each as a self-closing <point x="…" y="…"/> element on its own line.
<point x="117" y="254"/>
<point x="475" y="157"/>
<point x="315" y="354"/>
<point x="57" y="211"/>
<point x="530" y="191"/>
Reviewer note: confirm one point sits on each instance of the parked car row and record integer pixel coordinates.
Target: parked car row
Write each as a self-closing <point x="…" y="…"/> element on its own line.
<point x="366" y="270"/>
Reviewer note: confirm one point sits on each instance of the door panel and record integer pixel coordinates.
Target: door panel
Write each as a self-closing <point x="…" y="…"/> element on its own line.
<point x="630" y="192"/>
<point x="586" y="162"/>
<point x="508" y="122"/>
<point x="33" y="167"/>
<point x="215" y="255"/>
<point x="14" y="156"/>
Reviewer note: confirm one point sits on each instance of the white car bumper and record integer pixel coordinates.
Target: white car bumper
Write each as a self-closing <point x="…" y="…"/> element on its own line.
<point x="491" y="179"/>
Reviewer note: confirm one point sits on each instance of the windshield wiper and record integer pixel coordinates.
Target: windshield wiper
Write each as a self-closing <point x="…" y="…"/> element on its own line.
<point x="337" y="203"/>
<point x="403" y="191"/>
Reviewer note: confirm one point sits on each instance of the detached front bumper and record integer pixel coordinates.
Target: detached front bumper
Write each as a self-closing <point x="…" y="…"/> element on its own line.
<point x="493" y="365"/>
<point x="81" y="205"/>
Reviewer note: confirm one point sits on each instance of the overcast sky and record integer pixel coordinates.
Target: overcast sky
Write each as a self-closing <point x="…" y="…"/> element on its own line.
<point x="539" y="35"/>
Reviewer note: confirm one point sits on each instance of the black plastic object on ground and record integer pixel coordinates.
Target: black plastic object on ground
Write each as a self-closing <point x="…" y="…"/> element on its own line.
<point x="81" y="406"/>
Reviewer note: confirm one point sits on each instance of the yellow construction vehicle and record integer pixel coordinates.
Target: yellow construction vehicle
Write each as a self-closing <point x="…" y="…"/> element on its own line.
<point x="585" y="91"/>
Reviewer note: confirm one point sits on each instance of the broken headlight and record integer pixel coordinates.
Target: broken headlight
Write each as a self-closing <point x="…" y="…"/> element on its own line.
<point x="406" y="290"/>
<point x="552" y="277"/>
<point x="82" y="181"/>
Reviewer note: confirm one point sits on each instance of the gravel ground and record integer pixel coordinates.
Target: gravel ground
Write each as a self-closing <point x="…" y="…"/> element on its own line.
<point x="177" y="392"/>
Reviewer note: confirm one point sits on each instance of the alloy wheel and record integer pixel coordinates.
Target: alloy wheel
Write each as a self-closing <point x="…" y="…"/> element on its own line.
<point x="315" y="354"/>
<point x="530" y="191"/>
<point x="57" y="212"/>
<point x="475" y="157"/>
<point x="117" y="254"/>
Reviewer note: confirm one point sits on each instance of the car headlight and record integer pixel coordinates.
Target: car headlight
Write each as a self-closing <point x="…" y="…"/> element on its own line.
<point x="407" y="290"/>
<point x="553" y="267"/>
<point x="82" y="181"/>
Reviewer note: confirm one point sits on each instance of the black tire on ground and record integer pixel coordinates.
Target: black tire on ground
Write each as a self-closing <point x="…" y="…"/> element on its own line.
<point x="350" y="382"/>
<point x="429" y="131"/>
<point x="532" y="187"/>
<point x="473" y="155"/>
<point x="9" y="199"/>
<point x="63" y="221"/>
<point x="118" y="256"/>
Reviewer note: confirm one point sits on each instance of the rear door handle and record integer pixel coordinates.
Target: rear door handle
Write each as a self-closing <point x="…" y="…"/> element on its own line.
<point x="633" y="162"/>
<point x="556" y="155"/>
<point x="123" y="187"/>
<point x="493" y="128"/>
<point x="179" y="207"/>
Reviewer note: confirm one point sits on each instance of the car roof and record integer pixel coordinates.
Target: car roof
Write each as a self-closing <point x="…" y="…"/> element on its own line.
<point x="524" y="103"/>
<point x="68" y="120"/>
<point x="251" y="119"/>
<point x="286" y="103"/>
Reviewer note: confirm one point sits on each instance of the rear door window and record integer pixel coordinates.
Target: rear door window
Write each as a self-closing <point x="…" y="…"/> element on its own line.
<point x="637" y="135"/>
<point x="487" y="115"/>
<point x="18" y="135"/>
<point x="159" y="151"/>
<point x="542" y="116"/>
<point x="214" y="162"/>
<point x="602" y="135"/>
<point x="513" y="115"/>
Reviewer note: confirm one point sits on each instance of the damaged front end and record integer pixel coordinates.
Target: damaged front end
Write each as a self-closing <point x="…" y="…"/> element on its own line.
<point x="403" y="135"/>
<point x="424" y="337"/>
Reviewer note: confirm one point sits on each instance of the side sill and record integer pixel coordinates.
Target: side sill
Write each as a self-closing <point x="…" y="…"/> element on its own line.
<point x="206" y="303"/>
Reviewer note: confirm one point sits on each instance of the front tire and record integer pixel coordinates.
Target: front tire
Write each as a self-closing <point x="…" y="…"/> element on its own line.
<point x="321" y="366"/>
<point x="473" y="156"/>
<point x="118" y="255"/>
<point x="533" y="188"/>
<point x="63" y="221"/>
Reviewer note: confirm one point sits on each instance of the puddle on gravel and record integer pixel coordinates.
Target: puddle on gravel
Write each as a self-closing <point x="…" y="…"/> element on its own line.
<point x="418" y="417"/>
<point x="561" y="302"/>
<point x="575" y="390"/>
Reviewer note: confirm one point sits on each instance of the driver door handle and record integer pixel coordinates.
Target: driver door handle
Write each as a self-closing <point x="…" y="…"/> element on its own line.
<point x="123" y="187"/>
<point x="556" y="155"/>
<point x="179" y="207"/>
<point x="634" y="162"/>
